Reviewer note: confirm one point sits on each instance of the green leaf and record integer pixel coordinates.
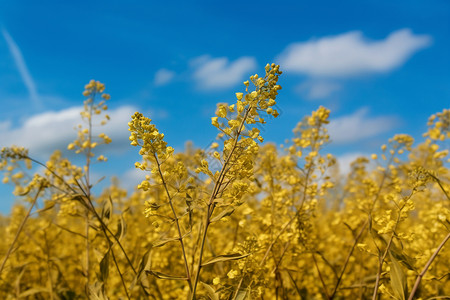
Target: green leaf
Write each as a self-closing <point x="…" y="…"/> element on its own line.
<point x="191" y="223"/>
<point x="122" y="228"/>
<point x="107" y="209"/>
<point x="210" y="291"/>
<point x="188" y="198"/>
<point x="241" y="295"/>
<point x="164" y="276"/>
<point x="97" y="291"/>
<point x="23" y="268"/>
<point x="225" y="257"/>
<point x="378" y="237"/>
<point x="144" y="264"/>
<point x="226" y="212"/>
<point x="395" y="251"/>
<point x="404" y="259"/>
<point x="398" y="279"/>
<point x="104" y="267"/>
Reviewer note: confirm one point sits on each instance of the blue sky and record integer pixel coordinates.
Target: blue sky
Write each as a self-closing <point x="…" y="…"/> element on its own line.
<point x="382" y="67"/>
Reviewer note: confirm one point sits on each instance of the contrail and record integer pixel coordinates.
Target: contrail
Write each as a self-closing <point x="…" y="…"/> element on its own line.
<point x="22" y="67"/>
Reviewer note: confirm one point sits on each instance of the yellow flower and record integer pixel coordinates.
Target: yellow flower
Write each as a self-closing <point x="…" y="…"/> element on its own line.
<point x="232" y="274"/>
<point x="221" y="111"/>
<point x="214" y="122"/>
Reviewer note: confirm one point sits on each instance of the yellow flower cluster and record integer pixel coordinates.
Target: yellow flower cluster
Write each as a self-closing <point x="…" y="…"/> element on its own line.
<point x="154" y="149"/>
<point x="439" y="126"/>
<point x="249" y="109"/>
<point x="146" y="136"/>
<point x="86" y="142"/>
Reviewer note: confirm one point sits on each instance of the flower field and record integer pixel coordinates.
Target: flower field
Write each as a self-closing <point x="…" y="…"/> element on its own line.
<point x="242" y="219"/>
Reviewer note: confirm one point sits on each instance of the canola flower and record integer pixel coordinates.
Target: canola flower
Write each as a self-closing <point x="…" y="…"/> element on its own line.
<point x="245" y="220"/>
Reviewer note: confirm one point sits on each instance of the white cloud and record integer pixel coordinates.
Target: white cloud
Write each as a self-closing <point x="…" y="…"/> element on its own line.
<point x="117" y="128"/>
<point x="163" y="77"/>
<point x="219" y="73"/>
<point x="358" y="126"/>
<point x="45" y="132"/>
<point x="5" y="126"/>
<point x="131" y="178"/>
<point x="22" y="68"/>
<point x="350" y="54"/>
<point x="344" y="161"/>
<point x="318" y="89"/>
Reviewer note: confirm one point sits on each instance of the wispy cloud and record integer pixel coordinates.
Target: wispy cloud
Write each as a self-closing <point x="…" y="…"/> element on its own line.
<point x="22" y="68"/>
<point x="351" y="54"/>
<point x="45" y="132"/>
<point x="219" y="73"/>
<point x="358" y="126"/>
<point x="163" y="77"/>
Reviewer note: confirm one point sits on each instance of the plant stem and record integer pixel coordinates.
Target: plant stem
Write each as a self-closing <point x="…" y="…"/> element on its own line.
<point x="87" y="245"/>
<point x="19" y="230"/>
<point x="425" y="269"/>
<point x="433" y="257"/>
<point x="215" y="192"/>
<point x="381" y="262"/>
<point x="324" y="286"/>
<point x="180" y="235"/>
<point x="347" y="259"/>
<point x="120" y="273"/>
